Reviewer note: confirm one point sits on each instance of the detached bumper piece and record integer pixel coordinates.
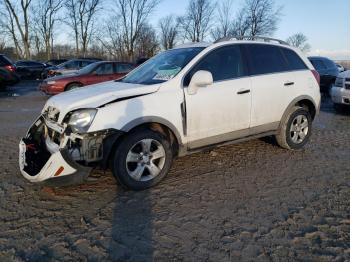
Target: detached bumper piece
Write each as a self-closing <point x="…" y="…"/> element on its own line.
<point x="40" y="162"/>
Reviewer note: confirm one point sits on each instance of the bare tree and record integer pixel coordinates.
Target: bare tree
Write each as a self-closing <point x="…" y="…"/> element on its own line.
<point x="81" y="16"/>
<point x="169" y="31"/>
<point x="45" y="20"/>
<point x="196" y="23"/>
<point x="112" y="39"/>
<point x="147" y="44"/>
<point x="18" y="23"/>
<point x="241" y="24"/>
<point x="224" y="25"/>
<point x="133" y="16"/>
<point x="262" y="16"/>
<point x="299" y="40"/>
<point x="8" y="27"/>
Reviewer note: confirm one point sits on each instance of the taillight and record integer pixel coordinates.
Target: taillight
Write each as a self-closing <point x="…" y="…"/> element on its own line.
<point x="10" y="68"/>
<point x="317" y="76"/>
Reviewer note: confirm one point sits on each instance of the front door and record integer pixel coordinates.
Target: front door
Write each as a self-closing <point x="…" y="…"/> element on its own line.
<point x="219" y="112"/>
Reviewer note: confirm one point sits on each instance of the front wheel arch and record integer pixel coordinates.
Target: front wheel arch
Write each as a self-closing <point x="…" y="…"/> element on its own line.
<point x="66" y="88"/>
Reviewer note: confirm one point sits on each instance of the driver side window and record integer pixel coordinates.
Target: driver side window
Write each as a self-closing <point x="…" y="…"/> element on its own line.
<point x="223" y="63"/>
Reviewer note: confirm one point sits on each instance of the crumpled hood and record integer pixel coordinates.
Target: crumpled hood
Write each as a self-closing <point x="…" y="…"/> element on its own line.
<point x="96" y="95"/>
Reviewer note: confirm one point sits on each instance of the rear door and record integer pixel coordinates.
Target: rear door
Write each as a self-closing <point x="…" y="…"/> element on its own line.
<point x="216" y="111"/>
<point x="272" y="86"/>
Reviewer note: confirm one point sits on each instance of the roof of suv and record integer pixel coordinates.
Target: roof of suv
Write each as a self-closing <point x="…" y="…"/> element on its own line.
<point x="237" y="39"/>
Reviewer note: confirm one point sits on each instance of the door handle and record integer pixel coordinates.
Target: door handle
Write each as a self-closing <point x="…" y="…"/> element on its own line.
<point x="243" y="92"/>
<point x="289" y="84"/>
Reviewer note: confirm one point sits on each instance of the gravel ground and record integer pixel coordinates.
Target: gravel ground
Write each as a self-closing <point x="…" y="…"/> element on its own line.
<point x="252" y="202"/>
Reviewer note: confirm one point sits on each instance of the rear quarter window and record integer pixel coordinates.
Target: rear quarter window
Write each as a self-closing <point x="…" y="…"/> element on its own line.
<point x="293" y="60"/>
<point x="318" y="64"/>
<point x="265" y="59"/>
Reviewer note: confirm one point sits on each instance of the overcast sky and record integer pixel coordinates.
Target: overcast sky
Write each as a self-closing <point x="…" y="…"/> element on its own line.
<point x="326" y="23"/>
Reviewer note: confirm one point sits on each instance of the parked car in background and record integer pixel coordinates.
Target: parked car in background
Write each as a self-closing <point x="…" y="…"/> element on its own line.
<point x="340" y="68"/>
<point x="328" y="71"/>
<point x="6" y="63"/>
<point x="184" y="100"/>
<point x="91" y="74"/>
<point x="27" y="69"/>
<point x="69" y="66"/>
<point x="54" y="62"/>
<point x="340" y="92"/>
<point x="7" y="78"/>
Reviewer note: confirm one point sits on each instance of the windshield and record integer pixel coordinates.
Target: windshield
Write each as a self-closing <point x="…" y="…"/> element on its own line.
<point x="162" y="67"/>
<point x="87" y="69"/>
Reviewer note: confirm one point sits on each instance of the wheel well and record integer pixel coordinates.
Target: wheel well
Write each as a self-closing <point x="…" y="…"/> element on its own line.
<point x="67" y="85"/>
<point x="164" y="130"/>
<point x="307" y="104"/>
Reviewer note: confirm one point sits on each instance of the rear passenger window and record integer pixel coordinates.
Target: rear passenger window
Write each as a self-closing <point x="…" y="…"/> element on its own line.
<point x="124" y="68"/>
<point x="224" y="63"/>
<point x="265" y="59"/>
<point x="329" y="64"/>
<point x="294" y="61"/>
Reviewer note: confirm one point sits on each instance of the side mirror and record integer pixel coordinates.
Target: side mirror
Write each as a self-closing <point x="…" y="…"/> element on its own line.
<point x="199" y="79"/>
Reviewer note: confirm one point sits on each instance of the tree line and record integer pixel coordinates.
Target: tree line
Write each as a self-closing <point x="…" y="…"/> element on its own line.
<point x="120" y="29"/>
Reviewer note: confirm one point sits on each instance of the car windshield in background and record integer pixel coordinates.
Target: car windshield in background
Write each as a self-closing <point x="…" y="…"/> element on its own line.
<point x="87" y="69"/>
<point x="162" y="67"/>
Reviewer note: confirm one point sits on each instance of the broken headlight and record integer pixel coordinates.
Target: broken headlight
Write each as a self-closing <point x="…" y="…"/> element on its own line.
<point x="80" y="120"/>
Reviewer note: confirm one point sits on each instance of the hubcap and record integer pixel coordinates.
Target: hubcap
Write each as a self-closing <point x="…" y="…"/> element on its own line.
<point x="299" y="129"/>
<point x="145" y="160"/>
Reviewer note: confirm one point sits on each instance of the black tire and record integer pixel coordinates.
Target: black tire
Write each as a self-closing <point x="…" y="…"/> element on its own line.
<point x="339" y="108"/>
<point x="73" y="86"/>
<point x="120" y="167"/>
<point x="285" y="135"/>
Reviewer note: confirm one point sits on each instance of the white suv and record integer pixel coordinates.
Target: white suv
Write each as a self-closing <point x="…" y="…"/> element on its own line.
<point x="179" y="102"/>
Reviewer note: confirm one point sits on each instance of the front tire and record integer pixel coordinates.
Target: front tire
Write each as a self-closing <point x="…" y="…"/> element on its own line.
<point x="295" y="130"/>
<point x="73" y="86"/>
<point x="142" y="159"/>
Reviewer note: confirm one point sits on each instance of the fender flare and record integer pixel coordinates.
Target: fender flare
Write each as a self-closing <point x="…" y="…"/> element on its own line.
<point x="294" y="101"/>
<point x="152" y="119"/>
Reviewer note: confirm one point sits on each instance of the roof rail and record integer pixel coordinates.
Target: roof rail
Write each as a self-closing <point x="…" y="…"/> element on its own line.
<point x="253" y="38"/>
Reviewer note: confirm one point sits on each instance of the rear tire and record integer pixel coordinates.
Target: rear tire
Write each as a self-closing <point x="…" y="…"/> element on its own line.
<point x="339" y="108"/>
<point x="142" y="159"/>
<point x="295" y="129"/>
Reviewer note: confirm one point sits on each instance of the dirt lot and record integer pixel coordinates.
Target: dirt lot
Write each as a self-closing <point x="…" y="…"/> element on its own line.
<point x="252" y="201"/>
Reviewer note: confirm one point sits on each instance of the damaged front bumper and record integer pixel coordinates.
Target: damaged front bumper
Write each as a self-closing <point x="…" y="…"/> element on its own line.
<point x="53" y="155"/>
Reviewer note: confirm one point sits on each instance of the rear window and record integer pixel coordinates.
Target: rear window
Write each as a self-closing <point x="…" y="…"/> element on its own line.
<point x="329" y="64"/>
<point x="124" y="68"/>
<point x="294" y="61"/>
<point x="265" y="59"/>
<point x="318" y="64"/>
<point x="4" y="61"/>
